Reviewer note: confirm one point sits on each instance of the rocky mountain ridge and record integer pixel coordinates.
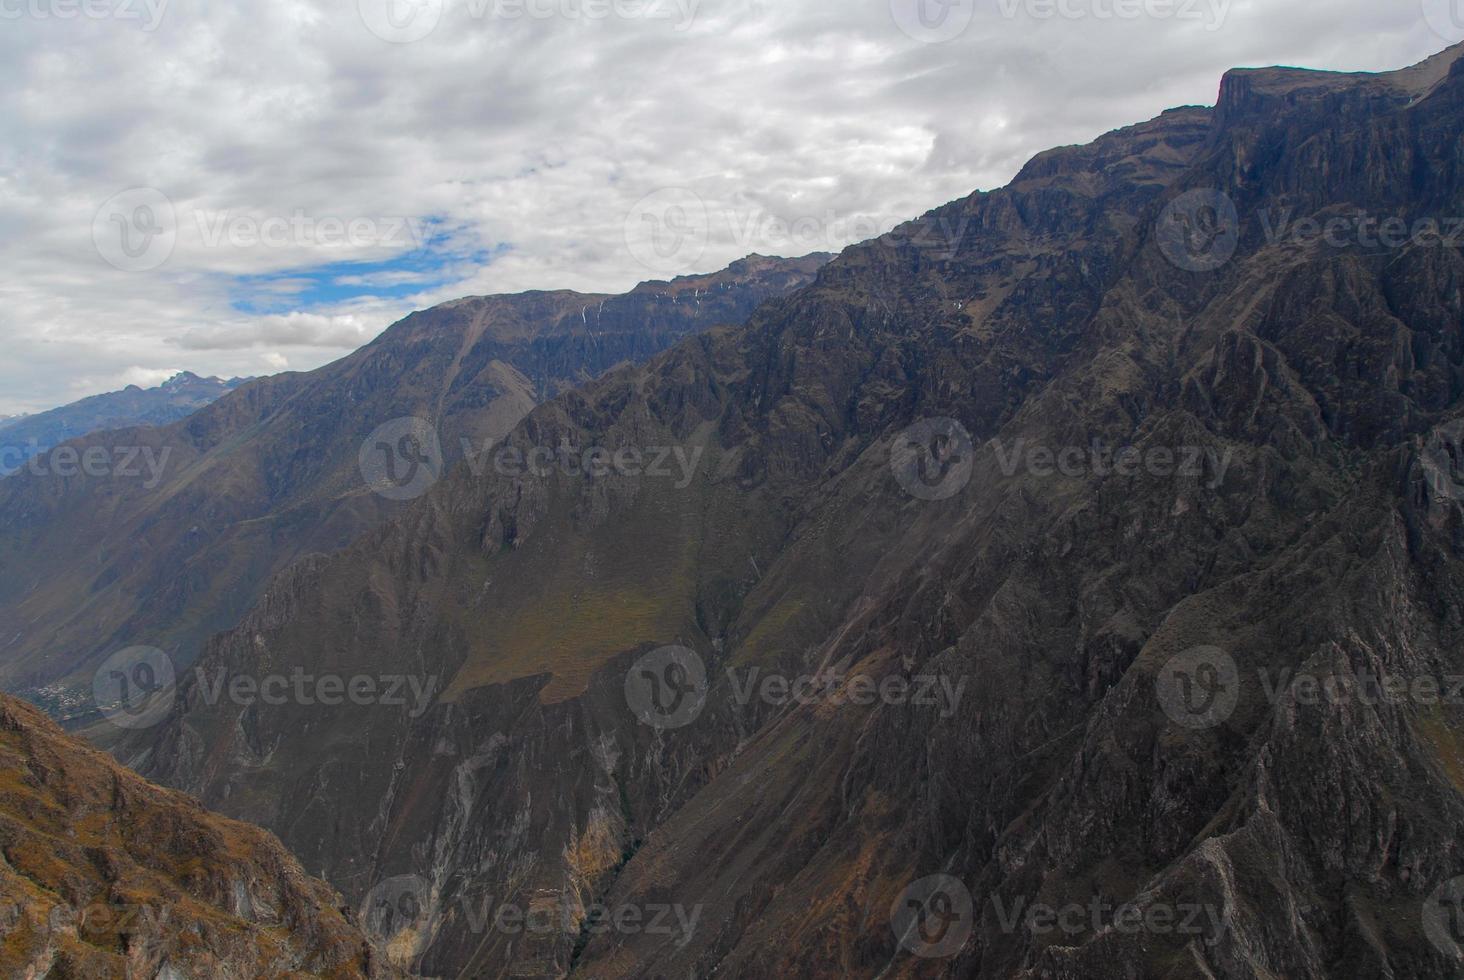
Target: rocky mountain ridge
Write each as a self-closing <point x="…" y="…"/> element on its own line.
<point x="104" y="875"/>
<point x="1170" y="423"/>
<point x="29" y="436"/>
<point x="170" y="535"/>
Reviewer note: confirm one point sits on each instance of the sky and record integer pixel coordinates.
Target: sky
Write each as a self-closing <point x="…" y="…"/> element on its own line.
<point x="241" y="187"/>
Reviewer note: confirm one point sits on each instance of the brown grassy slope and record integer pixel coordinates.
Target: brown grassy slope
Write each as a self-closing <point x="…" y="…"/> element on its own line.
<point x="103" y="874"/>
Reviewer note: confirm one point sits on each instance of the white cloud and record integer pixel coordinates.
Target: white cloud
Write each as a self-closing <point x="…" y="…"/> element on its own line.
<point x="345" y="332"/>
<point x="147" y="377"/>
<point x="799" y="124"/>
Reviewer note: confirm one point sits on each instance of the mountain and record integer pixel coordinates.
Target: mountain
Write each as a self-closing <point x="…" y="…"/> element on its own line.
<point x="105" y="875"/>
<point x="28" y="436"/>
<point x="173" y="540"/>
<point x="1023" y="613"/>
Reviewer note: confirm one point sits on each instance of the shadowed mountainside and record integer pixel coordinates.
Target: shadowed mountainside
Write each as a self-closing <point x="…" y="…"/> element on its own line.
<point x="177" y="546"/>
<point x="1292" y="404"/>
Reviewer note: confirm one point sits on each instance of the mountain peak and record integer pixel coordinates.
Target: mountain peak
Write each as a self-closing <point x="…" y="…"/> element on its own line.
<point x="179" y="396"/>
<point x="1239" y="84"/>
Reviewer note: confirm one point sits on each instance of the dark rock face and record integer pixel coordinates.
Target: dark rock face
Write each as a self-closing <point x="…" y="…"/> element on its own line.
<point x="104" y="875"/>
<point x="1185" y="495"/>
<point x="177" y="544"/>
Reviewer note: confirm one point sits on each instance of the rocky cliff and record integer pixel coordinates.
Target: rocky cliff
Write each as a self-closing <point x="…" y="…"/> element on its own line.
<point x="161" y="537"/>
<point x="1066" y="585"/>
<point x="104" y="875"/>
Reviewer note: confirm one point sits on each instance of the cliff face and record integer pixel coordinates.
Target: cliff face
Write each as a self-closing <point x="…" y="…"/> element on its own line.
<point x="171" y="537"/>
<point x="1095" y="481"/>
<point x="104" y="875"/>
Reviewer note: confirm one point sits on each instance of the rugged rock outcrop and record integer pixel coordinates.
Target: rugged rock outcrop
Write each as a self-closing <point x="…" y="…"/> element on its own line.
<point x="1071" y="497"/>
<point x="105" y="875"/>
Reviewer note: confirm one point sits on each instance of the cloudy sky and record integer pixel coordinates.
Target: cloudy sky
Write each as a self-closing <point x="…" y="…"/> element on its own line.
<point x="240" y="187"/>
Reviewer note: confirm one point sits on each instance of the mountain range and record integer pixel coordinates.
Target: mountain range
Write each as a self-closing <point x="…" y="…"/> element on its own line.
<point x="1066" y="584"/>
<point x="1049" y="504"/>
<point x="28" y="436"/>
<point x="174" y="537"/>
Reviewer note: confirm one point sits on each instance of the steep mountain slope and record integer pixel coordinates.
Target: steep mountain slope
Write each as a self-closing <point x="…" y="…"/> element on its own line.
<point x="176" y="545"/>
<point x="104" y="875"/>
<point x="1041" y="470"/>
<point x="178" y="397"/>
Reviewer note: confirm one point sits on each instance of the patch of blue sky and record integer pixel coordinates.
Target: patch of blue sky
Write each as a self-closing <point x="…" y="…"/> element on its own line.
<point x="441" y="258"/>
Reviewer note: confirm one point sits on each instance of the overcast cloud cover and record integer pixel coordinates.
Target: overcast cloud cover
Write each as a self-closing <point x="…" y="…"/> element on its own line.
<point x="297" y="174"/>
